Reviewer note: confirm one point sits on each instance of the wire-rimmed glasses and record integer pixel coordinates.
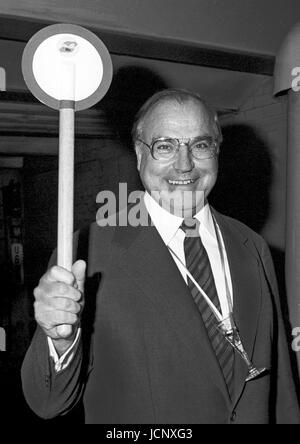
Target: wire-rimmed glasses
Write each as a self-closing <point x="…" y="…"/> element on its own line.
<point x="200" y="147"/>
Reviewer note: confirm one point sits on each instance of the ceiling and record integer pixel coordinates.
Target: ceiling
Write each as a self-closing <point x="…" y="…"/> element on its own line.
<point x="224" y="49"/>
<point x="247" y="25"/>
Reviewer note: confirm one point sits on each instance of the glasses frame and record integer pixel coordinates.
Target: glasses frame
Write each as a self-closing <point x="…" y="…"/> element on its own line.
<point x="183" y="141"/>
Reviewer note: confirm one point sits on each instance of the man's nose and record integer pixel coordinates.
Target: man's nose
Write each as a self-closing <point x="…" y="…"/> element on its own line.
<point x="183" y="161"/>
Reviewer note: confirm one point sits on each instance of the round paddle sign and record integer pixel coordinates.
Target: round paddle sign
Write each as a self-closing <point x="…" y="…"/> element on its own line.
<point x="65" y="62"/>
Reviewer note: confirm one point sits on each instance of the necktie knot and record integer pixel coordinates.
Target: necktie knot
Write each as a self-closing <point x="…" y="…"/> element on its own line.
<point x="190" y="226"/>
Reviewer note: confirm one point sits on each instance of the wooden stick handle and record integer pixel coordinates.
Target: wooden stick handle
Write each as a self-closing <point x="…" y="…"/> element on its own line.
<point x="65" y="195"/>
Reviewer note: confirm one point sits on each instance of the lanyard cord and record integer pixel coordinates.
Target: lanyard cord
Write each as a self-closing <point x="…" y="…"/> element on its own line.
<point x="208" y="300"/>
<point x="214" y="309"/>
<point x="221" y="250"/>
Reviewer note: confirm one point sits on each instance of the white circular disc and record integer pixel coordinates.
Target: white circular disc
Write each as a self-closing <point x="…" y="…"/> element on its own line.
<point x="73" y="75"/>
<point x="66" y="63"/>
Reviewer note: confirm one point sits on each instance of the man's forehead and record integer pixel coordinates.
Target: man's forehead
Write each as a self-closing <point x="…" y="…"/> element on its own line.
<point x="171" y="112"/>
<point x="171" y="104"/>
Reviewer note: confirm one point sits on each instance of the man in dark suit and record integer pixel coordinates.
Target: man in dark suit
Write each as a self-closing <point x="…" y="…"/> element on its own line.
<point x="146" y="348"/>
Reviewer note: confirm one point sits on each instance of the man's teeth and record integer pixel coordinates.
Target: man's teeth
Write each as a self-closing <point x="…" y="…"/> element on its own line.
<point x="180" y="182"/>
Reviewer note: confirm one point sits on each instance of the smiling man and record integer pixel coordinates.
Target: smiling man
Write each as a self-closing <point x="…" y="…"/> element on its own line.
<point x="183" y="136"/>
<point x="148" y="346"/>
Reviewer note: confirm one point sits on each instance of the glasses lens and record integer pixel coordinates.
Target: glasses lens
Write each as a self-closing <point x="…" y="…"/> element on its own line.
<point x="164" y="149"/>
<point x="203" y="148"/>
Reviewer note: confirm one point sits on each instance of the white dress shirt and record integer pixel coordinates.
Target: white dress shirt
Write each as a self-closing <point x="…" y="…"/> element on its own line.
<point x="168" y="226"/>
<point x="173" y="236"/>
<point x="62" y="362"/>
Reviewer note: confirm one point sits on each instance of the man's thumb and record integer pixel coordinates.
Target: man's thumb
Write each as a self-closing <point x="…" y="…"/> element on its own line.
<point x="78" y="269"/>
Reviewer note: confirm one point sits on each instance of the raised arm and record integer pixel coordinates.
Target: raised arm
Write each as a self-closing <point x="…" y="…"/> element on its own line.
<point x="58" y="300"/>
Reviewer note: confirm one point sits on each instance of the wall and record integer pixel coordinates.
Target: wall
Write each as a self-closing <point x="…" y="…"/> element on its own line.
<point x="252" y="177"/>
<point x="263" y="123"/>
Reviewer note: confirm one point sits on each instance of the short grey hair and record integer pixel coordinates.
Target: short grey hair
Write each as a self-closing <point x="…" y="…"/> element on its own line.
<point x="180" y="96"/>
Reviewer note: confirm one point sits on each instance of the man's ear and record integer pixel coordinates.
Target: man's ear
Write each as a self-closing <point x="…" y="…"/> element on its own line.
<point x="139" y="154"/>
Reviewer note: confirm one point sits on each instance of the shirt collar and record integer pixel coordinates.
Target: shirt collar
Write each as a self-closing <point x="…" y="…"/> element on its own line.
<point x="168" y="224"/>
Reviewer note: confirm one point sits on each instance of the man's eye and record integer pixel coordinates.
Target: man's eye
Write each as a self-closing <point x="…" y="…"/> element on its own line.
<point x="201" y="145"/>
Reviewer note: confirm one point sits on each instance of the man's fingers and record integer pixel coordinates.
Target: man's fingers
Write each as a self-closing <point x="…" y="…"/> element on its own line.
<point x="65" y="304"/>
<point x="50" y="318"/>
<point x="59" y="274"/>
<point x="63" y="317"/>
<point x="49" y="290"/>
<point x="59" y="289"/>
<point x="78" y="270"/>
<point x="74" y="278"/>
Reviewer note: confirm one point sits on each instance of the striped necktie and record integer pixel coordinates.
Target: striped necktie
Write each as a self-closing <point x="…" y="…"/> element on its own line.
<point x="197" y="262"/>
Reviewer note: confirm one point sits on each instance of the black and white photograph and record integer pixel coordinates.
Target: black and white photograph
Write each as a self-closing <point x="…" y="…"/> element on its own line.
<point x="149" y="215"/>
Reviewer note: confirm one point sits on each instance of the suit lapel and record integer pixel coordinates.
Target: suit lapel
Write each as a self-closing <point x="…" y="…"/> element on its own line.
<point x="148" y="262"/>
<point x="243" y="264"/>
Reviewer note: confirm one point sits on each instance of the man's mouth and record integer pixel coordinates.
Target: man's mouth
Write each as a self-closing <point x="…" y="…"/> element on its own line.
<point x="181" y="182"/>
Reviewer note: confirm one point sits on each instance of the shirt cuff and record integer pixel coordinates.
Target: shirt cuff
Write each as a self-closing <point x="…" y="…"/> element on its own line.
<point x="60" y="363"/>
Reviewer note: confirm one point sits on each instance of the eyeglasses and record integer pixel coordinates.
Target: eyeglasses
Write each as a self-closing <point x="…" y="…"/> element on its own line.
<point x="201" y="148"/>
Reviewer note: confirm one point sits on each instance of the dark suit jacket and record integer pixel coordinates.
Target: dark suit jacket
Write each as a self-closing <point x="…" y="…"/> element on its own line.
<point x="146" y="356"/>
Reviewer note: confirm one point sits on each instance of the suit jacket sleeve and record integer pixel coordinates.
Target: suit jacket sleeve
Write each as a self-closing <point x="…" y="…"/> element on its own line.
<point x="287" y="405"/>
<point x="49" y="393"/>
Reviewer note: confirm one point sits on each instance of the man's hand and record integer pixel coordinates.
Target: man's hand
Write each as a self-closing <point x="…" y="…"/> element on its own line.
<point x="59" y="300"/>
